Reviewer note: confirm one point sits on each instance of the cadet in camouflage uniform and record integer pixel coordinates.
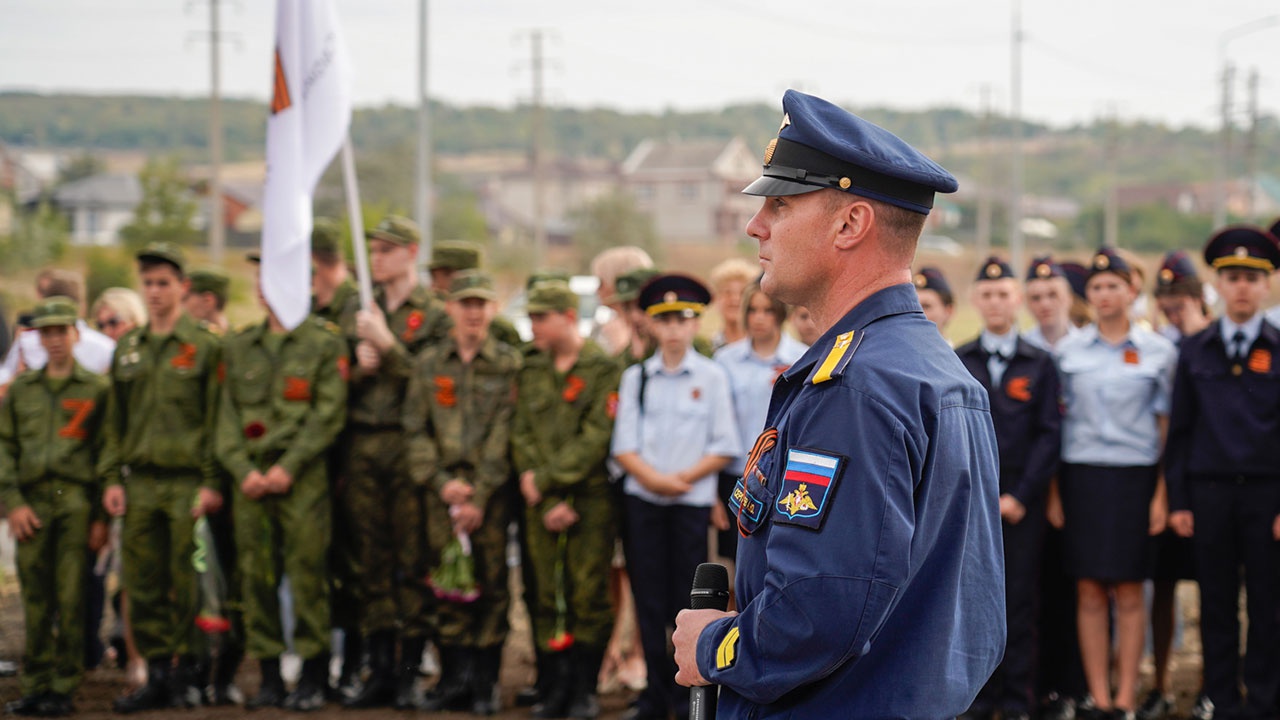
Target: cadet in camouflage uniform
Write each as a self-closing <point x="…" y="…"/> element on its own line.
<point x="458" y="421"/>
<point x="335" y="299"/>
<point x="284" y="400"/>
<point x="160" y="418"/>
<point x="383" y="507"/>
<point x="454" y="256"/>
<point x="207" y="299"/>
<point x="559" y="443"/>
<point x="50" y="449"/>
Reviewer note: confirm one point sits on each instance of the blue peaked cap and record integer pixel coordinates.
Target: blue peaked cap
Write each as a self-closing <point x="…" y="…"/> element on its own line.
<point x="821" y="145"/>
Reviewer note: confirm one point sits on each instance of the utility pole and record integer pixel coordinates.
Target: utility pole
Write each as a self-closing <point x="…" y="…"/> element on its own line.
<point x="217" y="220"/>
<point x="1015" y="195"/>
<point x="1111" y="208"/>
<point x="423" y="188"/>
<point x="1223" y="166"/>
<point x="1251" y="144"/>
<point x="983" y="229"/>
<point x="539" y="171"/>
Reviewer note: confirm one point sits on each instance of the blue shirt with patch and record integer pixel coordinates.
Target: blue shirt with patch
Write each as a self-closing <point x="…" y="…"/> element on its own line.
<point x="870" y="577"/>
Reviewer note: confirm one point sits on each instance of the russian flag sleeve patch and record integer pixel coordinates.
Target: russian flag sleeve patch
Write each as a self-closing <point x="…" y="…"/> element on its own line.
<point x="807" y="485"/>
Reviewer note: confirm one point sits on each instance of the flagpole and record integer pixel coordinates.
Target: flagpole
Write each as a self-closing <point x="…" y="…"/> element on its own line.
<point x="357" y="224"/>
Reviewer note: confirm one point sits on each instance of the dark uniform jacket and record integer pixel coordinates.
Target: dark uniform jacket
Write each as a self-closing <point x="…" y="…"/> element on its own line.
<point x="1027" y="416"/>
<point x="1225" y="419"/>
<point x="870" y="577"/>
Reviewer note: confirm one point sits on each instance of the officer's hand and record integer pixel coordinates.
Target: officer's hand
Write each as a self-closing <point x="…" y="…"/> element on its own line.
<point x="1158" y="516"/>
<point x="466" y="517"/>
<point x="1011" y="510"/>
<point x="456" y="492"/>
<point x="560" y="518"/>
<point x="97" y="536"/>
<point x="667" y="484"/>
<point x="278" y="480"/>
<point x="689" y="626"/>
<point x="368" y="359"/>
<point x="254" y="485"/>
<point x="1053" y="511"/>
<point x="23" y="523"/>
<point x="113" y="500"/>
<point x="1183" y="522"/>
<point x="207" y="501"/>
<point x="371" y="326"/>
<point x="529" y="489"/>
<point x="719" y="517"/>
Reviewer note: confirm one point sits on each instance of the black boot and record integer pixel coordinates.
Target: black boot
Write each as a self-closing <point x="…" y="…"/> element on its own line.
<point x="486" y="696"/>
<point x="453" y="690"/>
<point x="352" y="660"/>
<point x="583" y="704"/>
<point x="271" y="690"/>
<point x="27" y="704"/>
<point x="556" y="686"/>
<point x="407" y="696"/>
<point x="309" y="694"/>
<point x="188" y="681"/>
<point x="222" y="688"/>
<point x="152" y="696"/>
<point x="380" y="687"/>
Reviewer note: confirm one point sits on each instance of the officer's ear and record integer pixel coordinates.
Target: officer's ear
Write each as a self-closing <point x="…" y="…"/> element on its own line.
<point x="854" y="218"/>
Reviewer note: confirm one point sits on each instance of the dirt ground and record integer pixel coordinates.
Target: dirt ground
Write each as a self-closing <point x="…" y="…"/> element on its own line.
<point x="102" y="685"/>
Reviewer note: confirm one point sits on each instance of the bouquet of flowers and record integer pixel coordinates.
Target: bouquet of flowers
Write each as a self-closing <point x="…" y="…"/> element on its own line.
<point x="454" y="580"/>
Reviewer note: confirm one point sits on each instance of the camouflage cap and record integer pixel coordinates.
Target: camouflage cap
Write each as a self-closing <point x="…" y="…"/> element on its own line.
<point x="326" y="235"/>
<point x="54" y="311"/>
<point x="627" y="287"/>
<point x="472" y="284"/>
<point x="396" y="229"/>
<point x="539" y="276"/>
<point x="455" y="255"/>
<point x="551" y="296"/>
<point x="161" y="251"/>
<point x="211" y="280"/>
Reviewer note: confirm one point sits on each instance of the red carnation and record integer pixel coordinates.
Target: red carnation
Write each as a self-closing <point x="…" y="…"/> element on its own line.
<point x="255" y="430"/>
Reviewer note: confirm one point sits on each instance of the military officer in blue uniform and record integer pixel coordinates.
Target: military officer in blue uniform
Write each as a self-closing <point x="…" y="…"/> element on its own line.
<point x="1224" y="483"/>
<point x="870" y="577"/>
<point x="1022" y="383"/>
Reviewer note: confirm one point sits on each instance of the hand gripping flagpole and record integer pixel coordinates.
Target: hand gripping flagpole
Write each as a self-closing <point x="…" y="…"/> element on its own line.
<point x="357" y="224"/>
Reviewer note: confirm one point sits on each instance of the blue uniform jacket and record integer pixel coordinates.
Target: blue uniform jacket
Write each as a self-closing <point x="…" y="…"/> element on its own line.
<point x="870" y="577"/>
<point x="1027" y="413"/>
<point x="1224" y="420"/>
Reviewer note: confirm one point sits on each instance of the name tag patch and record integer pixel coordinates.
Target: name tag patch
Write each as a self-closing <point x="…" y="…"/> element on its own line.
<point x="807" y="484"/>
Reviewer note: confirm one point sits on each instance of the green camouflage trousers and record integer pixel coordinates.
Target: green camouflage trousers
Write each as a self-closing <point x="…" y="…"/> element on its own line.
<point x="279" y="535"/>
<point x="384" y="510"/>
<point x="51" y="569"/>
<point x="157" y="544"/>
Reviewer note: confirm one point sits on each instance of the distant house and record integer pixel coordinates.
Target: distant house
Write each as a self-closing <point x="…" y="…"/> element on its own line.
<point x="692" y="188"/>
<point x="98" y="206"/>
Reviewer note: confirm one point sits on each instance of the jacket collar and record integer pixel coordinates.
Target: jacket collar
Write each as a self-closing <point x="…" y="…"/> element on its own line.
<point x="893" y="300"/>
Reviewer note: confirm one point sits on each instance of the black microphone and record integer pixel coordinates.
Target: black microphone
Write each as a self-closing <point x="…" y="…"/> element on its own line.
<point x="710" y="591"/>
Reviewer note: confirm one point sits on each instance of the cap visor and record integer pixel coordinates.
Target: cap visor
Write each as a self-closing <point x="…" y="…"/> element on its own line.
<point x="482" y="294"/>
<point x="776" y="187"/>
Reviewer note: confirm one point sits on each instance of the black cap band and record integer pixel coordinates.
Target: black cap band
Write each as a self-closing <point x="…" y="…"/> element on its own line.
<point x="825" y="171"/>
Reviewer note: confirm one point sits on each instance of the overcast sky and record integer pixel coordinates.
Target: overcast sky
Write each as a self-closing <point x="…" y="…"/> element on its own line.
<point x="1082" y="59"/>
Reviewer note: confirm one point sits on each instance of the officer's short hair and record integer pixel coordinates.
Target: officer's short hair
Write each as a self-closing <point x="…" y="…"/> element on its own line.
<point x="902" y="227"/>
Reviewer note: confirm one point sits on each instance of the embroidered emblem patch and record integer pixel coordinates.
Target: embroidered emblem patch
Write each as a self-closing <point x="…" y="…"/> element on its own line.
<point x="1260" y="361"/>
<point x="807" y="483"/>
<point x="1130" y="357"/>
<point x="1019" y="388"/>
<point x="727" y="653"/>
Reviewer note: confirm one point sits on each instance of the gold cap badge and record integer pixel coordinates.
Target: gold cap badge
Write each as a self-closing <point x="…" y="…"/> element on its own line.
<point x="1043" y="270"/>
<point x="1166" y="275"/>
<point x="1101" y="262"/>
<point x="993" y="270"/>
<point x="921" y="280"/>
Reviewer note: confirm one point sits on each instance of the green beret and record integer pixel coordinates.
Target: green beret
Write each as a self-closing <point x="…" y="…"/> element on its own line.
<point x="627" y="286"/>
<point x="161" y="251"/>
<point x="397" y="230"/>
<point x="472" y="284"/>
<point x="54" y="311"/>
<point x="455" y="255"/>
<point x="326" y="235"/>
<point x="551" y="296"/>
<point x="539" y="276"/>
<point x="210" y="280"/>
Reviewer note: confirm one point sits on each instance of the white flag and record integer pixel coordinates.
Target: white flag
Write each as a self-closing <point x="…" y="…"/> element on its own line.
<point x="310" y="115"/>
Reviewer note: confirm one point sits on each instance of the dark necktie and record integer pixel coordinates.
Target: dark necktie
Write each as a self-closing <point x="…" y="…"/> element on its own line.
<point x="1237" y="346"/>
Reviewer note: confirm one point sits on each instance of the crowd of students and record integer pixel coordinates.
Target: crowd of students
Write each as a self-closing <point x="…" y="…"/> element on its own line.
<point x="369" y="466"/>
